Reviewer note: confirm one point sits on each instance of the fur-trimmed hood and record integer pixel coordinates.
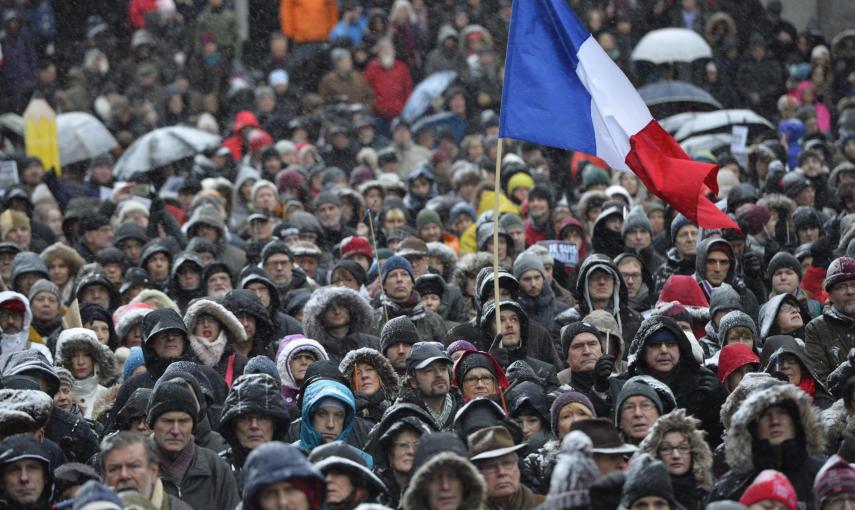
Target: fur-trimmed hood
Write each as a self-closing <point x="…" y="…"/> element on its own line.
<point x="739" y="442"/>
<point x="388" y="376"/>
<point x="836" y="421"/>
<point x="470" y="264"/>
<point x="289" y="346"/>
<point x="751" y="382"/>
<point x="126" y="317"/>
<point x="163" y="301"/>
<point x="77" y="339"/>
<point x="361" y="313"/>
<point x="474" y="490"/>
<point x="231" y="325"/>
<point x="677" y="421"/>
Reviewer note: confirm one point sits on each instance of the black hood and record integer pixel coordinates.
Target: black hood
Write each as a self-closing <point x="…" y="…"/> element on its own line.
<point x="530" y="393"/>
<point x="487" y="317"/>
<point x="253" y="394"/>
<point x="256" y="274"/>
<point x="154" y="323"/>
<point x="245" y="301"/>
<point x="651" y="325"/>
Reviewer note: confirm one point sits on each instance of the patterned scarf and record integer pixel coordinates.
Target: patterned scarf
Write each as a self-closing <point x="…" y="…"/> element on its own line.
<point x="208" y="352"/>
<point x="441" y="418"/>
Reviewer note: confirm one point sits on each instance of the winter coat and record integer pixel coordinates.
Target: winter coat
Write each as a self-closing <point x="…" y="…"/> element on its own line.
<point x="544" y="308"/>
<point x="353" y="87"/>
<point x="245" y="301"/>
<point x="86" y="391"/>
<point x="288" y="347"/>
<point x="391" y="87"/>
<point x="628" y="319"/>
<point x="684" y="380"/>
<point x="828" y="339"/>
<point x="539" y="344"/>
<point x="544" y="371"/>
<point x="416" y="496"/>
<point x="674" y="264"/>
<point x="749" y="301"/>
<point x="231" y="329"/>
<point x="10" y="344"/>
<point x="361" y="316"/>
<point x="371" y="407"/>
<point x="693" y="494"/>
<point x="836" y="422"/>
<point x="251" y="394"/>
<point x="208" y="482"/>
<point x="799" y="459"/>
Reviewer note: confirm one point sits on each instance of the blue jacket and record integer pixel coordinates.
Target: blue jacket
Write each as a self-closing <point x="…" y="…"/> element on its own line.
<point x="315" y="392"/>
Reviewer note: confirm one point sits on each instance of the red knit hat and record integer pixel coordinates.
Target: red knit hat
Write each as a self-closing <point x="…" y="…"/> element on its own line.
<point x="733" y="357"/>
<point x="834" y="478"/>
<point x="773" y="485"/>
<point x="840" y="270"/>
<point x="356" y="245"/>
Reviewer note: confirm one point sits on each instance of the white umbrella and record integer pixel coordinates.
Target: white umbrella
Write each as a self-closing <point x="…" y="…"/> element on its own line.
<point x="672" y="124"/>
<point x="709" y="142"/>
<point x="720" y="120"/>
<point x="668" y="45"/>
<point x="162" y="147"/>
<point x="425" y="92"/>
<point x="81" y="136"/>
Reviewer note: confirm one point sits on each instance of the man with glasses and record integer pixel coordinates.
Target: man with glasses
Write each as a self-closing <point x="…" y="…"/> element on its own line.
<point x="829" y="337"/>
<point x="637" y="408"/>
<point x="494" y="453"/>
<point x="277" y="260"/>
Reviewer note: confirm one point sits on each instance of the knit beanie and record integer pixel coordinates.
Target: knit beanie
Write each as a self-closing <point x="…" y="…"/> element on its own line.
<point x="527" y="261"/>
<point x="520" y="180"/>
<point x="636" y="386"/>
<point x="395" y="262"/>
<point x="398" y="330"/>
<point x="508" y="220"/>
<point x="44" y="286"/>
<point x="564" y="399"/>
<point x="677" y="223"/>
<point x="327" y="197"/>
<point x="65" y="377"/>
<point x="574" y="473"/>
<point x="94" y="495"/>
<point x="754" y="217"/>
<point x="647" y="476"/>
<point x="594" y="176"/>
<point x="781" y="260"/>
<point x="834" y="478"/>
<point x="806" y="217"/>
<point x="462" y="208"/>
<point x="841" y="269"/>
<point x="794" y="183"/>
<point x="773" y="485"/>
<point x="636" y="219"/>
<point x="171" y="395"/>
<point x="460" y="345"/>
<point x="135" y="360"/>
<point x="428" y="217"/>
<point x="470" y="361"/>
<point x="574" y="329"/>
<point x="354" y="268"/>
<point x="10" y="219"/>
<point x="263" y="365"/>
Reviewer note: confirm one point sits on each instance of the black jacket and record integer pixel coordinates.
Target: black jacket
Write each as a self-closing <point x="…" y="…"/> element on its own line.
<point x="208" y="482"/>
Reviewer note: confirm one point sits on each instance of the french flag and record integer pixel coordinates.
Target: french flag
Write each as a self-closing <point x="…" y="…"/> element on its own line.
<point x="562" y="90"/>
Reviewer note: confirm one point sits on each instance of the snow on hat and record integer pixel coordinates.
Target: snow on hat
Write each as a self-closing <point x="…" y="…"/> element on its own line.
<point x="398" y="330"/>
<point x="277" y="77"/>
<point x="23" y="410"/>
<point x="840" y="270"/>
<point x="126" y="317"/>
<point x="573" y="474"/>
<point x="95" y="495"/>
<point x="772" y="485"/>
<point x="636" y="219"/>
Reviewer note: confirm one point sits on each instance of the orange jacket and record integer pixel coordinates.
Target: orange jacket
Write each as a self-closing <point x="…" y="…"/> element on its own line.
<point x="308" y="20"/>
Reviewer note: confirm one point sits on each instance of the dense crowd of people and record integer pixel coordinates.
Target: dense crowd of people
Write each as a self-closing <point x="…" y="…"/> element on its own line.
<point x="306" y="316"/>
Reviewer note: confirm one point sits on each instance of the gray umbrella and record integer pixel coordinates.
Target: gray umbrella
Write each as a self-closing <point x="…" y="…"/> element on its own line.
<point x="162" y="147"/>
<point x="664" y="92"/>
<point x="81" y="136"/>
<point x="718" y="121"/>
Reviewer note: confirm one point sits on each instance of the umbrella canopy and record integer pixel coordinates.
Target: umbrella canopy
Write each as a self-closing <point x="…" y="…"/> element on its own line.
<point x="13" y="122"/>
<point x="721" y="120"/>
<point x="442" y="120"/>
<point x="664" y="92"/>
<point x="162" y="147"/>
<point x="82" y="136"/>
<point x="668" y="45"/>
<point x="425" y="92"/>
<point x="712" y="142"/>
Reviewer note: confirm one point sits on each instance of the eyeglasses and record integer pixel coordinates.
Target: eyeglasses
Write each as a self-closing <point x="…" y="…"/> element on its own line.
<point x="786" y="308"/>
<point x="665" y="449"/>
<point x="10" y="314"/>
<point x="644" y="406"/>
<point x="474" y="381"/>
<point x="493" y="467"/>
<point x="407" y="446"/>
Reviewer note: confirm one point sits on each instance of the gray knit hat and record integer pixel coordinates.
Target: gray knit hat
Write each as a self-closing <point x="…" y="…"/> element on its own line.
<point x="527" y="261"/>
<point x="398" y="330"/>
<point x="65" y="377"/>
<point x="44" y="286"/>
<point x="636" y="219"/>
<point x="737" y="319"/>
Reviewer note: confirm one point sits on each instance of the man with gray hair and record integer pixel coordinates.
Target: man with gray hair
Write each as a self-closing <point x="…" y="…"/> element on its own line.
<point x="129" y="462"/>
<point x="345" y="84"/>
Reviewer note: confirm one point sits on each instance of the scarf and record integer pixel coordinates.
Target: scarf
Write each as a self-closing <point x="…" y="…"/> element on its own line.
<point x="177" y="469"/>
<point x="808" y="385"/>
<point x="208" y="352"/>
<point x="412" y="307"/>
<point x="442" y="418"/>
<point x="157" y="495"/>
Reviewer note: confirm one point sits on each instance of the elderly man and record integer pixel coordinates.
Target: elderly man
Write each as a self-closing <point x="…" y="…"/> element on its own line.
<point x="828" y="338"/>
<point x="494" y="453"/>
<point x="637" y="407"/>
<point x="588" y="368"/>
<point x="195" y="474"/>
<point x="129" y="462"/>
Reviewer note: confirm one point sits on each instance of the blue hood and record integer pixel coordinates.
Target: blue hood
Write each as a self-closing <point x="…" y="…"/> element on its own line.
<point x="315" y="392"/>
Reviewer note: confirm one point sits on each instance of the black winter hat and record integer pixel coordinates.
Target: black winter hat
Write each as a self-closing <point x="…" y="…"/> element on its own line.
<point x="430" y="283"/>
<point x="129" y="230"/>
<point x="171" y="395"/>
<point x="794" y="183"/>
<point x="273" y="247"/>
<point x="354" y="268"/>
<point x="438" y="442"/>
<point x="572" y="330"/>
<point x="161" y="320"/>
<point x="134" y="277"/>
<point x="398" y="330"/>
<point x="91" y="222"/>
<point x="781" y="260"/>
<point x="806" y="217"/>
<point x="214" y="268"/>
<point x="647" y="476"/>
<point x="111" y="255"/>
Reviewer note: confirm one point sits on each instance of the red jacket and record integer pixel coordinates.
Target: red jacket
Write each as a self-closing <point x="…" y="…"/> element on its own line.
<point x="234" y="143"/>
<point x="813" y="283"/>
<point x="392" y="87"/>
